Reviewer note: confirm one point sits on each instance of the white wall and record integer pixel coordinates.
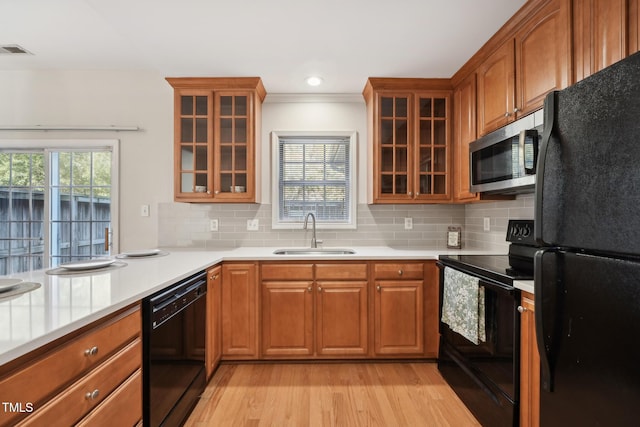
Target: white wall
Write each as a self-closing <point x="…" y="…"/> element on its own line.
<point x="87" y="98"/>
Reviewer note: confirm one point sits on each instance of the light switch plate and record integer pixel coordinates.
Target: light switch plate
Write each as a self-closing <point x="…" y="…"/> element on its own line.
<point x="144" y="210"/>
<point x="253" y="225"/>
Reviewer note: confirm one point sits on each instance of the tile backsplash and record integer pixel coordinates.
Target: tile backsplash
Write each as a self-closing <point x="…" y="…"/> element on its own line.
<point x="187" y="225"/>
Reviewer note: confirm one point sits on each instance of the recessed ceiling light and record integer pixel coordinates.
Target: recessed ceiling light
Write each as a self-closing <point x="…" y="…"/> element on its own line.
<point x="314" y="81"/>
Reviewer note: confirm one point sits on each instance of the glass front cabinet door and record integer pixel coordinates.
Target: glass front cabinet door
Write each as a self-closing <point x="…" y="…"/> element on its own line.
<point x="408" y="148"/>
<point x="216" y="129"/>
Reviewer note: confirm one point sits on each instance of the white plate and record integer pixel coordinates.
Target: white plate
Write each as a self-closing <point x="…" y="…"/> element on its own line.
<point x="8" y="284"/>
<point x="142" y="252"/>
<point x="88" y="264"/>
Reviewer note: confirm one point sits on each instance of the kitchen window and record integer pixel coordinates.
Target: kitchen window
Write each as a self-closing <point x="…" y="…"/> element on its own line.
<point x="57" y="202"/>
<point x="315" y="173"/>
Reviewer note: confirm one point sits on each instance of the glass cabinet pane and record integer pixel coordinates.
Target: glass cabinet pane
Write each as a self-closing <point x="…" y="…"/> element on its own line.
<point x="432" y="146"/>
<point x="194" y="142"/>
<point x="233" y="137"/>
<point x="394" y="144"/>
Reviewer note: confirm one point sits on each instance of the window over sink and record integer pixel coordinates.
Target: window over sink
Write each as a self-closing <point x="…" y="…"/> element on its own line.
<point x="314" y="172"/>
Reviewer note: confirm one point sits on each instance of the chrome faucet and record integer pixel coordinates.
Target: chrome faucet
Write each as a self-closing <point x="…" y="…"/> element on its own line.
<point x="314" y="241"/>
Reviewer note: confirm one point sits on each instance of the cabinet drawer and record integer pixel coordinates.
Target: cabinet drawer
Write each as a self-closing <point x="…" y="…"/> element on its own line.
<point x="71" y="405"/>
<point x="413" y="270"/>
<point x="341" y="271"/>
<point x="287" y="271"/>
<point x="122" y="408"/>
<point x="45" y="376"/>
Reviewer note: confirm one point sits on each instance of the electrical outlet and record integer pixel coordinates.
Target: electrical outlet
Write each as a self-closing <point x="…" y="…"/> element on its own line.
<point x="213" y="225"/>
<point x="408" y="223"/>
<point x="487" y="224"/>
<point x="144" y="210"/>
<point x="253" y="225"/>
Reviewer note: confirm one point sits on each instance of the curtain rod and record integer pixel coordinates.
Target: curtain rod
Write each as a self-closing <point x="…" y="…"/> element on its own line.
<point x="72" y="128"/>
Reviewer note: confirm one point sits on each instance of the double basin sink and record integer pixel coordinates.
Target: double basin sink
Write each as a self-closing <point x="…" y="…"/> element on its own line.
<point x="314" y="251"/>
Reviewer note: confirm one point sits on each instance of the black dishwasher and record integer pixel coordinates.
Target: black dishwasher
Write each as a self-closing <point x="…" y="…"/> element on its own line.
<point x="173" y="366"/>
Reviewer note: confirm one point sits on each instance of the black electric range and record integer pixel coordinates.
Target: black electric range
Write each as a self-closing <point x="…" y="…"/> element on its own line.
<point x="485" y="373"/>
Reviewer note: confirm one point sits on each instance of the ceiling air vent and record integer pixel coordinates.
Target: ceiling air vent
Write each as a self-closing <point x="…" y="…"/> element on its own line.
<point x="13" y="48"/>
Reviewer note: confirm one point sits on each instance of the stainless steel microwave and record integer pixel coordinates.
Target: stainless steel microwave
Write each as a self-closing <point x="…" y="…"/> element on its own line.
<point x="504" y="161"/>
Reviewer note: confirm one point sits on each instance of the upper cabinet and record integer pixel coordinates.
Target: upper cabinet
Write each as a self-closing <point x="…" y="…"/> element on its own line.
<point x="514" y="80"/>
<point x="464" y="125"/>
<point x="216" y="134"/>
<point x="409" y="140"/>
<point x="600" y="34"/>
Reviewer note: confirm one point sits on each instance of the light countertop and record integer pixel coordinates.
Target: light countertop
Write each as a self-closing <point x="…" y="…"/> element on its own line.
<point x="65" y="303"/>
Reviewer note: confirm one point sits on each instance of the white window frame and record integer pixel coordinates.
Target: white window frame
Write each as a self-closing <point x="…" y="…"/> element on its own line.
<point x="76" y="144"/>
<point x="275" y="184"/>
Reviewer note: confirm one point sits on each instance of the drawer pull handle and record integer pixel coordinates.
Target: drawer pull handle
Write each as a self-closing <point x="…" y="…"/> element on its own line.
<point x="91" y="351"/>
<point x="92" y="395"/>
<point x="400" y="272"/>
<point x="521" y="309"/>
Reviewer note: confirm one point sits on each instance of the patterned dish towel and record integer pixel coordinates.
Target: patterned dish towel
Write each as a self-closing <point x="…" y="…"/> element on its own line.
<point x="463" y="305"/>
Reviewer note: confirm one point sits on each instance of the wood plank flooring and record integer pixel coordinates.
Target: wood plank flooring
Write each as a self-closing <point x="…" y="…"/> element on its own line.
<point x="330" y="394"/>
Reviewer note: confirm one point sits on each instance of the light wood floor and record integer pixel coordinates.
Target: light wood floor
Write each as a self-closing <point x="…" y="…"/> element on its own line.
<point x="330" y="394"/>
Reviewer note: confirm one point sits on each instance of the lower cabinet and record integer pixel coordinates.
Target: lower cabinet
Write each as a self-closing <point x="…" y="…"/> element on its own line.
<point x="314" y="310"/>
<point x="529" y="365"/>
<point x="91" y="379"/>
<point x="239" y="311"/>
<point x="399" y="308"/>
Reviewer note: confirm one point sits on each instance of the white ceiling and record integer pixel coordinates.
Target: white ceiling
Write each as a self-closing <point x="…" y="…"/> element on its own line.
<point x="282" y="41"/>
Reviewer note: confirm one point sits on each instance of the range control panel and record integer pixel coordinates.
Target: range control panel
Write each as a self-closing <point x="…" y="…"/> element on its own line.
<point x="521" y="231"/>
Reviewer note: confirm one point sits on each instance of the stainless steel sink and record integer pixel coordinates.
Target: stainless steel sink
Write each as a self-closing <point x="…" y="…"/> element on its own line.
<point x="314" y="251"/>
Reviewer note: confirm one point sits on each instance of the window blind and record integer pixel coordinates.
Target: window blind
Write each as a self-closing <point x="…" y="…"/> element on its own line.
<point x="314" y="176"/>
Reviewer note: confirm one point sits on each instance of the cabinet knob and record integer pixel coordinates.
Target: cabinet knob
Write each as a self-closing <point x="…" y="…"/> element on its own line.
<point x="92" y="395"/>
<point x="515" y="110"/>
<point x="417" y="193"/>
<point x="378" y="288"/>
<point x="410" y="193"/>
<point x="214" y="277"/>
<point x="521" y="309"/>
<point x="507" y="114"/>
<point x="310" y="288"/>
<point x="319" y="289"/>
<point x="216" y="192"/>
<point x="91" y="351"/>
<point x="400" y="272"/>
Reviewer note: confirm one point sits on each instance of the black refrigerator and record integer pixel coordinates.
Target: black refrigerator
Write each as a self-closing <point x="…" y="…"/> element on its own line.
<point x="587" y="282"/>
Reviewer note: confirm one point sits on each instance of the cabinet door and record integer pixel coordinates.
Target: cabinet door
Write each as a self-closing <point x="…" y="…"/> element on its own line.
<point x="233" y="142"/>
<point x="239" y="311"/>
<point x="431" y="158"/>
<point x="496" y="92"/>
<point x="543" y="55"/>
<point x="287" y="318"/>
<point x="393" y="148"/>
<point x="213" y="330"/>
<point x="634" y="26"/>
<point x="599" y="35"/>
<point x="194" y="144"/>
<point x="464" y="120"/>
<point x="341" y="318"/>
<point x="529" y="365"/>
<point x="398" y="317"/>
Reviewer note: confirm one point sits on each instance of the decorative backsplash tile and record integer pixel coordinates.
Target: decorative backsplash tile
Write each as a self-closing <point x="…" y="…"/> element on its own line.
<point x="187" y="225"/>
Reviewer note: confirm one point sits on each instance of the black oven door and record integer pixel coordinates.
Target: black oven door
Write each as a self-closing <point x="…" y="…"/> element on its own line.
<point x="486" y="375"/>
